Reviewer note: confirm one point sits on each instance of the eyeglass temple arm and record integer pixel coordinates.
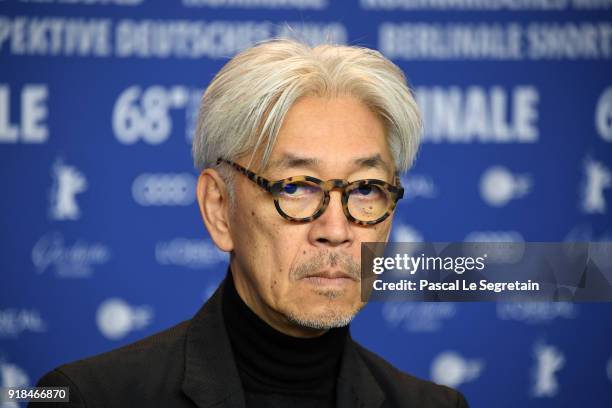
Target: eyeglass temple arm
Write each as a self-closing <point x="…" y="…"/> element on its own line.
<point x="260" y="181"/>
<point x="397" y="183"/>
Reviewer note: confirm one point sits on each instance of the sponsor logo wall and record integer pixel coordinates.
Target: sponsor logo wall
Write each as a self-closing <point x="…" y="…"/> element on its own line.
<point x="101" y="238"/>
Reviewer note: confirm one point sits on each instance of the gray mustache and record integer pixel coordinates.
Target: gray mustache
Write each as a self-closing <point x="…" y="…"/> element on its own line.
<point x="327" y="260"/>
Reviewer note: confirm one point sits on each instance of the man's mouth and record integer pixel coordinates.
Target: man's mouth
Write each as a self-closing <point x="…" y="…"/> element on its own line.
<point x="330" y="278"/>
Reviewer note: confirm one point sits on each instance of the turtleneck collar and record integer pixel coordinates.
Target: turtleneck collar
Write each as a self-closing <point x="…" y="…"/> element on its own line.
<point x="271" y="362"/>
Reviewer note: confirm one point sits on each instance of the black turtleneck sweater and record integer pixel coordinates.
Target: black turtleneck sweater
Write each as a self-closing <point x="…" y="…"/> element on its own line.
<point x="278" y="370"/>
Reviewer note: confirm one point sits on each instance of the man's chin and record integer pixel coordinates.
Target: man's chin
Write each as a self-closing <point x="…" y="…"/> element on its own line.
<point x="319" y="317"/>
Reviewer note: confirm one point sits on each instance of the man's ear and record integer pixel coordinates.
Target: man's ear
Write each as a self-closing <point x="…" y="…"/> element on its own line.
<point x="213" y="199"/>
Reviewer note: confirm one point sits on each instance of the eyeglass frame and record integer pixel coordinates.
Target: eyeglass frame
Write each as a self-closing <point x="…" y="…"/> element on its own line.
<point x="394" y="191"/>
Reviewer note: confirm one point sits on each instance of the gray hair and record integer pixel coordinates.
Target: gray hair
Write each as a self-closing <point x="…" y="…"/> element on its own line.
<point x="244" y="106"/>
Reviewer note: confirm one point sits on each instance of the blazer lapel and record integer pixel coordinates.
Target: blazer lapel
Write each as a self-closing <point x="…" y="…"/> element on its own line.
<point x="211" y="377"/>
<point x="356" y="386"/>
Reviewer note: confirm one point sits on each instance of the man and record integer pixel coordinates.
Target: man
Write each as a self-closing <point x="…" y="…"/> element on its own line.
<point x="300" y="150"/>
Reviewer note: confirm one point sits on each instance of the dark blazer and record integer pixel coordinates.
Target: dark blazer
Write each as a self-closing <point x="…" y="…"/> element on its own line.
<point x="192" y="365"/>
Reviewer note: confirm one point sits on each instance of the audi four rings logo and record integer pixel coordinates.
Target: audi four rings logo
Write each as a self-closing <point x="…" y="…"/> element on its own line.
<point x="158" y="189"/>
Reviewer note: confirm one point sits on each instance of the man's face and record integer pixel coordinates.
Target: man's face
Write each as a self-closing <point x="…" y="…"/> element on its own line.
<point x="303" y="278"/>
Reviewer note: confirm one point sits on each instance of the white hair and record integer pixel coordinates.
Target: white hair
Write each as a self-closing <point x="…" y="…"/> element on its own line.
<point x="244" y="106"/>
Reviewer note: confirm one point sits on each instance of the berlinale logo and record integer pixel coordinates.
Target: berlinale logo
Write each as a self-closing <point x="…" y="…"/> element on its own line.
<point x="598" y="179"/>
<point x="67" y="183"/>
<point x="549" y="360"/>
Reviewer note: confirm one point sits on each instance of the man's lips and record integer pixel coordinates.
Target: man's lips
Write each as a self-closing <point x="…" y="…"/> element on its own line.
<point x="329" y="278"/>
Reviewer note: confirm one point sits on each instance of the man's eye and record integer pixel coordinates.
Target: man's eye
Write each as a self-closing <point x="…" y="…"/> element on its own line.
<point x="364" y="190"/>
<point x="367" y="191"/>
<point x="295" y="189"/>
<point x="290" y="188"/>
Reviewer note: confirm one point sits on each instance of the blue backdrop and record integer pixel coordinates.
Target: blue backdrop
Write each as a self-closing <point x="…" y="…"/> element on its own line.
<point x="102" y="242"/>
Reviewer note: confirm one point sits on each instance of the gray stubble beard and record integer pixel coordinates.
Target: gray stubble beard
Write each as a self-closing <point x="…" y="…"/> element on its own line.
<point x="332" y="318"/>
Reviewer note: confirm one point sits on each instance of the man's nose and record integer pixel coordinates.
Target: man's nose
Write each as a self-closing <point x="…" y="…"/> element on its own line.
<point x="332" y="228"/>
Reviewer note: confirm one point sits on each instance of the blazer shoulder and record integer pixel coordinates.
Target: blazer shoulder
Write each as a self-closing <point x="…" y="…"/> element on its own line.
<point x="134" y="369"/>
<point x="55" y="378"/>
<point x="406" y="390"/>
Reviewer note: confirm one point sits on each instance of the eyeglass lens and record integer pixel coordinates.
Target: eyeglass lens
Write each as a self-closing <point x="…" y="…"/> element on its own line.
<point x="302" y="199"/>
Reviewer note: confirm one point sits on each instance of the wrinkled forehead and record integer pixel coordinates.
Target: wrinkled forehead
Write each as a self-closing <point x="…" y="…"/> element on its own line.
<point x="339" y="161"/>
<point x="330" y="135"/>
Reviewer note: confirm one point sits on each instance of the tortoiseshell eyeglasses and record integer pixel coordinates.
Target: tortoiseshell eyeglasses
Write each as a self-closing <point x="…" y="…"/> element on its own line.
<point x="305" y="198"/>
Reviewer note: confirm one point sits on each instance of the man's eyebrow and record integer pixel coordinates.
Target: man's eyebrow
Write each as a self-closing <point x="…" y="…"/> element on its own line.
<point x="289" y="160"/>
<point x="374" y="161"/>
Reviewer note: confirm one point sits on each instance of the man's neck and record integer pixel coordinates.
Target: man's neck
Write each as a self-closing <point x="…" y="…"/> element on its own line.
<point x="272" y="362"/>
